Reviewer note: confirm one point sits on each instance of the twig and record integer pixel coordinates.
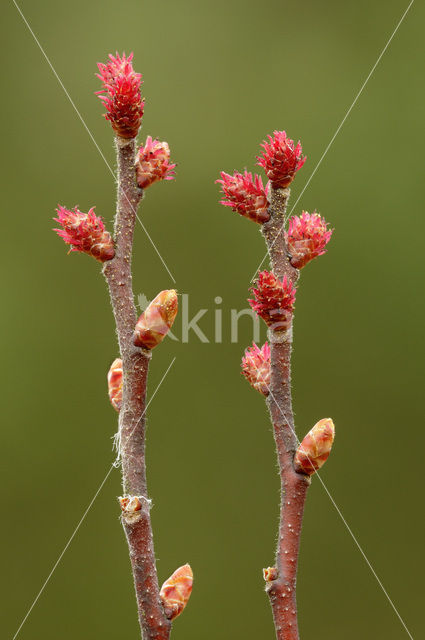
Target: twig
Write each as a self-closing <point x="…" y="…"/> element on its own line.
<point x="135" y="362"/>
<point x="282" y="589"/>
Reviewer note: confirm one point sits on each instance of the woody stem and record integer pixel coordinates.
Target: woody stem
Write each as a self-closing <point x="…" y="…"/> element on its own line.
<point x="282" y="589"/>
<point x="154" y="625"/>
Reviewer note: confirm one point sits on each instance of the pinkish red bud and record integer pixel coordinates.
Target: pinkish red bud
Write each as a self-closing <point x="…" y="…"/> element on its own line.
<point x="273" y="300"/>
<point x="307" y="238"/>
<point x="314" y="450"/>
<point x="175" y="592"/>
<point x="121" y="95"/>
<point x="246" y="195"/>
<point x="281" y="159"/>
<point x="85" y="232"/>
<point x="155" y="322"/>
<point x="153" y="163"/>
<point x="115" y="384"/>
<point x="256" y="367"/>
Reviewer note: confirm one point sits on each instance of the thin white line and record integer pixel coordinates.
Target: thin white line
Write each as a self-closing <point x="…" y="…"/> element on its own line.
<point x="62" y="85"/>
<point x="90" y="133"/>
<point x="85" y="513"/>
<point x="365" y="557"/>
<point x="63" y="552"/>
<point x="336" y="507"/>
<point x="340" y="126"/>
<point x="154" y="246"/>
<point x="146" y="408"/>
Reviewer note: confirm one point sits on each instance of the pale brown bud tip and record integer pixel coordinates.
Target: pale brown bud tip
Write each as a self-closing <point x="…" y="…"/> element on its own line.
<point x="115" y="384"/>
<point x="314" y="450"/>
<point x="270" y="574"/>
<point x="175" y="592"/>
<point x="131" y="507"/>
<point x="155" y="322"/>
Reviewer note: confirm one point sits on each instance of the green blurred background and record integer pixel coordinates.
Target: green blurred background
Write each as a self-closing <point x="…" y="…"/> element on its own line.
<point x="218" y="76"/>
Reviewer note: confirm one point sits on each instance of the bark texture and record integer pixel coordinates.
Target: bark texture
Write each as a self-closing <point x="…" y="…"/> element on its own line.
<point x="282" y="590"/>
<point x="153" y="623"/>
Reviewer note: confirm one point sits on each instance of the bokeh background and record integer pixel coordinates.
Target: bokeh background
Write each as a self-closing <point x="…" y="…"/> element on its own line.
<point x="218" y="76"/>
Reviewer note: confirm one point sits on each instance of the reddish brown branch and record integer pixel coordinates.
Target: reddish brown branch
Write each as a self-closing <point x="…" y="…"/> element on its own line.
<point x="137" y="525"/>
<point x="154" y="624"/>
<point x="282" y="590"/>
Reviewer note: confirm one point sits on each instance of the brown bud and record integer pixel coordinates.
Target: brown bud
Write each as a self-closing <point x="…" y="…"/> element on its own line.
<point x="270" y="574"/>
<point x="175" y="591"/>
<point x="314" y="450"/>
<point x="115" y="384"/>
<point x="155" y="322"/>
<point x="131" y="507"/>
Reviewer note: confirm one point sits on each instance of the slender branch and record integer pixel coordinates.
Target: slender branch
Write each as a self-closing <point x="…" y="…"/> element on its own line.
<point x="282" y="589"/>
<point x="154" y="624"/>
<point x="274" y="235"/>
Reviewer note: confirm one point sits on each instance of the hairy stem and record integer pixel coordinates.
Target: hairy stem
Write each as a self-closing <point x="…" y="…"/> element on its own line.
<point x="282" y="590"/>
<point x="153" y="623"/>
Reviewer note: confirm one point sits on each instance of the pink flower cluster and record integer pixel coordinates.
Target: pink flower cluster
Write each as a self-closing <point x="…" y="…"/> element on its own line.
<point x="153" y="163"/>
<point x="246" y="195"/>
<point x="307" y="237"/>
<point x="274" y="300"/>
<point x="281" y="159"/>
<point x="85" y="232"/>
<point x="121" y="95"/>
<point x="256" y="367"/>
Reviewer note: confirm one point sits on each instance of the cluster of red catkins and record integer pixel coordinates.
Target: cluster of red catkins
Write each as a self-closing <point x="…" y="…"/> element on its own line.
<point x="273" y="300"/>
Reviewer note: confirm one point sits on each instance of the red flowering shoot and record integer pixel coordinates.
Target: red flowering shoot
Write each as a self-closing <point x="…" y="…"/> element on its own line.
<point x="153" y="163"/>
<point x="307" y="237"/>
<point x="246" y="195"/>
<point x="256" y="367"/>
<point x="268" y="369"/>
<point x="121" y="95"/>
<point x="85" y="232"/>
<point x="274" y="300"/>
<point x="127" y="377"/>
<point x="281" y="159"/>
